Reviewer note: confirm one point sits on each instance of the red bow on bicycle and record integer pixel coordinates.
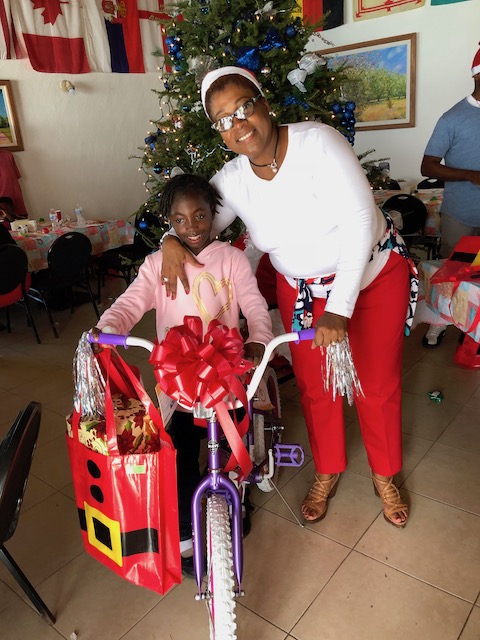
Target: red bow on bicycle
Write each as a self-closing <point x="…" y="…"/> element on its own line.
<point x="192" y="368"/>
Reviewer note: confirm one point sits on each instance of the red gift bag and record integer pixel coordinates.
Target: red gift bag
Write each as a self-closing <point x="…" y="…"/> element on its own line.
<point x="463" y="264"/>
<point x="127" y="504"/>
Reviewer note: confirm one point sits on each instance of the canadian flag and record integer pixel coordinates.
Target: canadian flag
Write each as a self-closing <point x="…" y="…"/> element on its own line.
<point x="50" y="33"/>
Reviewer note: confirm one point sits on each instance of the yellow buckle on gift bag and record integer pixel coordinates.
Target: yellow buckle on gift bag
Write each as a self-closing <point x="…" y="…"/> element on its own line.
<point x="113" y="526"/>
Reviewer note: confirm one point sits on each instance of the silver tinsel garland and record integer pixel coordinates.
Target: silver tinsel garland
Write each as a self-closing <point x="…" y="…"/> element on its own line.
<point x="88" y="381"/>
<point x="340" y="373"/>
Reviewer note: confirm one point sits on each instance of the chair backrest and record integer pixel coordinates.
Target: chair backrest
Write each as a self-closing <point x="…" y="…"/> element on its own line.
<point x="412" y="210"/>
<point x="431" y="183"/>
<point x="68" y="258"/>
<point x="13" y="273"/>
<point x="16" y="453"/>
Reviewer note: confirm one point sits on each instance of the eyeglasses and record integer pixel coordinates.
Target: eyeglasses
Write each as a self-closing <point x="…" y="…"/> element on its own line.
<point x="242" y="113"/>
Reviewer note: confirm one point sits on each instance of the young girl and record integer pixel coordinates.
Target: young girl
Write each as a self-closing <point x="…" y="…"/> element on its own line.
<point x="223" y="286"/>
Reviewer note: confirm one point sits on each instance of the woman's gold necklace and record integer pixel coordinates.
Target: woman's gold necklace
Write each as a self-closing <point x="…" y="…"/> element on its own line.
<point x="273" y="165"/>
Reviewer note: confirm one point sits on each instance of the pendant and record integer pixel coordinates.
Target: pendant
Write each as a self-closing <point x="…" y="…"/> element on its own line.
<point x="274" y="166"/>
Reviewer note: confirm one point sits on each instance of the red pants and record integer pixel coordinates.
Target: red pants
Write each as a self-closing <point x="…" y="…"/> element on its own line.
<point x="375" y="332"/>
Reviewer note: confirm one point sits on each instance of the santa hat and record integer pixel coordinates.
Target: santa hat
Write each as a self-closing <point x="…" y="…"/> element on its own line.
<point x="476" y="64"/>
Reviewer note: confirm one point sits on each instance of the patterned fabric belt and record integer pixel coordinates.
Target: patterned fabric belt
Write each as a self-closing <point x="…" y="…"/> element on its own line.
<point x="391" y="241"/>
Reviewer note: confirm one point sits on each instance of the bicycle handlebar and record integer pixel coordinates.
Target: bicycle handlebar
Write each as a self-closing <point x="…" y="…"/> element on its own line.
<point x="131" y="341"/>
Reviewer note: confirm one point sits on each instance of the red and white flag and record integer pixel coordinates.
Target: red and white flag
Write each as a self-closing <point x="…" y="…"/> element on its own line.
<point x="6" y="44"/>
<point x="122" y="34"/>
<point x="50" y="33"/>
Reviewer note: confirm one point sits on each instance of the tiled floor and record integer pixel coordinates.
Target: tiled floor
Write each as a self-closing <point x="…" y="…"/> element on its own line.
<point x="349" y="577"/>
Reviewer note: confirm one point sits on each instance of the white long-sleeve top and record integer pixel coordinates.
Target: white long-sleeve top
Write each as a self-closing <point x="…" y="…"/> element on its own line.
<point x="315" y="218"/>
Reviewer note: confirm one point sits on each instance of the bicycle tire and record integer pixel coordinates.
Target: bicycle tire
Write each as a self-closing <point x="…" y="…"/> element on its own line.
<point x="260" y="448"/>
<point x="221" y="583"/>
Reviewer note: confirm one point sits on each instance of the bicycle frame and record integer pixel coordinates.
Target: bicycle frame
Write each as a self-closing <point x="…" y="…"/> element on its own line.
<point x="216" y="481"/>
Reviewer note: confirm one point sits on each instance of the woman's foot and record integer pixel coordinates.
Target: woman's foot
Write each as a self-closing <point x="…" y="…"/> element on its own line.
<point x="314" y="506"/>
<point x="395" y="509"/>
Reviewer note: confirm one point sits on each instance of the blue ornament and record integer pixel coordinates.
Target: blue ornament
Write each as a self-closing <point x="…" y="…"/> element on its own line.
<point x="169" y="40"/>
<point x="337" y="108"/>
<point x="167" y="86"/>
<point x="185" y="108"/>
<point x="351" y="105"/>
<point x="143" y="224"/>
<point x="290" y="31"/>
<point x="272" y="40"/>
<point x="248" y="57"/>
<point x="173" y="48"/>
<point x="205" y="10"/>
<point x="289" y="101"/>
<point x="179" y="55"/>
<point x="157" y="168"/>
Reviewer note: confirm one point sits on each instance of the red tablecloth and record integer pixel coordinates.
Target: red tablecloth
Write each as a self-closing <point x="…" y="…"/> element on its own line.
<point x="105" y="235"/>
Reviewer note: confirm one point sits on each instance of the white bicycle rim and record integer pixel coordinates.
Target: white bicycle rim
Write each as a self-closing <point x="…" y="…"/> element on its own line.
<point x="221" y="583"/>
<point x="271" y="382"/>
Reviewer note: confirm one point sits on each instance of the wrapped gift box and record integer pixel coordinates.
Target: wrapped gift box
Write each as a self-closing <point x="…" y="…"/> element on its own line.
<point x="135" y="431"/>
<point x="459" y="308"/>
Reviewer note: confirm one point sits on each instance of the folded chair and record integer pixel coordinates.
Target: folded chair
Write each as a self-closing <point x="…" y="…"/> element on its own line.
<point x="68" y="261"/>
<point x="16" y="453"/>
<point x="15" y="282"/>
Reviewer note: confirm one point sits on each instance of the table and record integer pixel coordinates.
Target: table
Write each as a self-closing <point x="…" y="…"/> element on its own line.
<point x="460" y="308"/>
<point x="104" y="235"/>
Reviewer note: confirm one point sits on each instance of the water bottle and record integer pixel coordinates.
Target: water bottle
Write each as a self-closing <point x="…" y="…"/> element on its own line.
<point x="79" y="214"/>
<point x="53" y="219"/>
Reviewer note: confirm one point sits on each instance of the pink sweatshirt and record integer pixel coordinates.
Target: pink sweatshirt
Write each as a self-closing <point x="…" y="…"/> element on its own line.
<point x="219" y="290"/>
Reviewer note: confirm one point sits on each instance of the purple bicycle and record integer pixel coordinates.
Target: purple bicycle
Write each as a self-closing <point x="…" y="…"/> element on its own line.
<point x="222" y="537"/>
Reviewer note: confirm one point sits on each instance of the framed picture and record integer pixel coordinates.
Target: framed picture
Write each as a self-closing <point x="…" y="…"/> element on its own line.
<point x="10" y="137"/>
<point x="380" y="80"/>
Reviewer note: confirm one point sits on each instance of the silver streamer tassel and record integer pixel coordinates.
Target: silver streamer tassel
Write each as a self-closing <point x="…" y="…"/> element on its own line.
<point x="89" y="383"/>
<point x="340" y="372"/>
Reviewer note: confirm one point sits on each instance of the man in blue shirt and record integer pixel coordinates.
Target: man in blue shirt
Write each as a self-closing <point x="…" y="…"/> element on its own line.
<point x="456" y="141"/>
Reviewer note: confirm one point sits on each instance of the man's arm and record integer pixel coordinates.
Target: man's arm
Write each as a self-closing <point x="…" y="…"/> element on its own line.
<point x="432" y="168"/>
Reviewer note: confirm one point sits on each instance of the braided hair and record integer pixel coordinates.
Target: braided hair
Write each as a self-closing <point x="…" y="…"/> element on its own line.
<point x="186" y="184"/>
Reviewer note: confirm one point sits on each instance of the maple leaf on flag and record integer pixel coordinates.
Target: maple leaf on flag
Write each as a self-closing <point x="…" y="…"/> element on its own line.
<point x="51" y="9"/>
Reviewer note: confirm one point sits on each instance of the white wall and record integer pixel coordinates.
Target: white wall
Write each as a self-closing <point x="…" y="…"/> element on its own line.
<point x="77" y="147"/>
<point x="447" y="40"/>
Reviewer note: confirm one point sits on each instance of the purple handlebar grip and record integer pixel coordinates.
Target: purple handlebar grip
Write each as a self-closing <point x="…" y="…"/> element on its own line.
<point x="110" y="338"/>
<point x="306" y="334"/>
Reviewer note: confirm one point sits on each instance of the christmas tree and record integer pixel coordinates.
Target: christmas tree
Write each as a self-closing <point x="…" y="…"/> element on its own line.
<point x="270" y="41"/>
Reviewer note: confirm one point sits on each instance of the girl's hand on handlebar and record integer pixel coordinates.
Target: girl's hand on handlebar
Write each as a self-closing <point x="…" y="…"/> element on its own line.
<point x="175" y="256"/>
<point x="330" y="328"/>
<point x="254" y="352"/>
<point x="95" y="332"/>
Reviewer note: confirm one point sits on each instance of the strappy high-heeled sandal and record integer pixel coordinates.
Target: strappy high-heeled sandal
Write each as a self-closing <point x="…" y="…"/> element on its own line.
<point x="317" y="497"/>
<point x="392" y="502"/>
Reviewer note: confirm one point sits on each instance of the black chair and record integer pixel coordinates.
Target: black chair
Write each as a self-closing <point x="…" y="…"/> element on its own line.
<point x="123" y="262"/>
<point x="14" y="283"/>
<point x="68" y="262"/>
<point x="431" y="183"/>
<point x="16" y="453"/>
<point x="413" y="214"/>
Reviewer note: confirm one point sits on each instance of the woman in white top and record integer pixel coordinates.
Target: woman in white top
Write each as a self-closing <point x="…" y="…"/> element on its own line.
<point x="304" y="199"/>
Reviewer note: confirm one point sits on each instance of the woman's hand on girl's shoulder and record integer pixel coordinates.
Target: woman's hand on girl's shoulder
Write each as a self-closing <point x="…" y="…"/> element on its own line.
<point x="175" y="256"/>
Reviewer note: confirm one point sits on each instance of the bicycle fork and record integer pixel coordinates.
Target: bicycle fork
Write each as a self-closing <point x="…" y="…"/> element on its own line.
<point x="219" y="483"/>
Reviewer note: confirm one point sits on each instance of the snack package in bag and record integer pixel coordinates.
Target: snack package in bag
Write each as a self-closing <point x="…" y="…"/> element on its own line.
<point x="127" y="502"/>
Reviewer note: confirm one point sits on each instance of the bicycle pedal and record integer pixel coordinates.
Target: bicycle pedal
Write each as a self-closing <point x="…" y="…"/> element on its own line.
<point x="289" y="455"/>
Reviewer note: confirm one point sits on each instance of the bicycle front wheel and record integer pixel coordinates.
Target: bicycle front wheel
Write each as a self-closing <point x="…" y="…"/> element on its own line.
<point x="221" y="583"/>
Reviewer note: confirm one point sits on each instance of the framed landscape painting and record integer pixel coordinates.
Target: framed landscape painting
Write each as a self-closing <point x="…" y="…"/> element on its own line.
<point x="381" y="80"/>
<point x="10" y="137"/>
